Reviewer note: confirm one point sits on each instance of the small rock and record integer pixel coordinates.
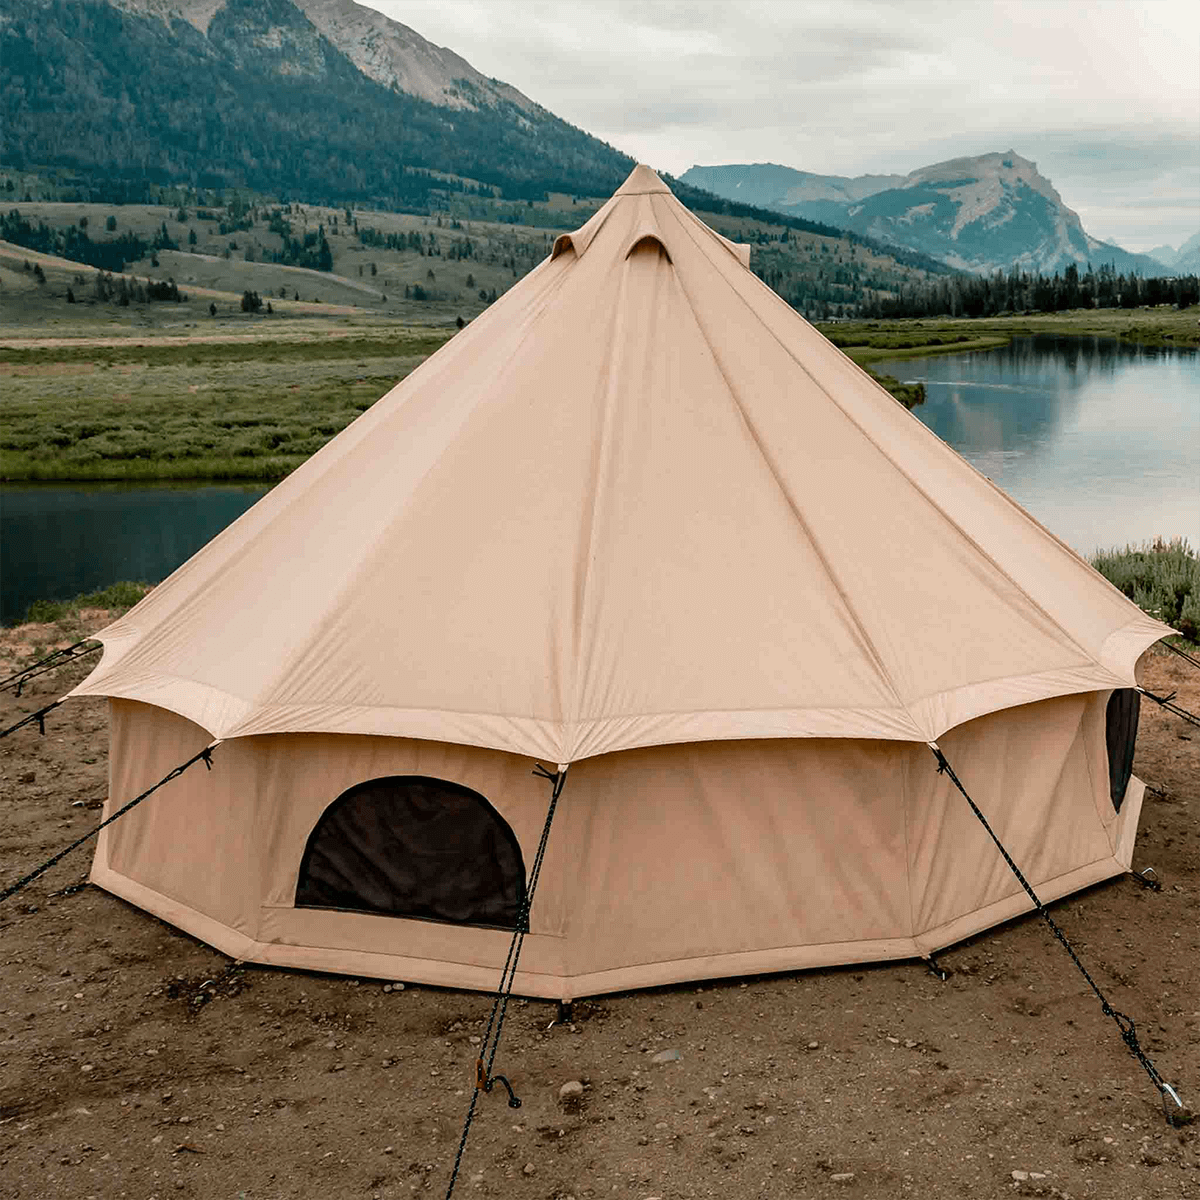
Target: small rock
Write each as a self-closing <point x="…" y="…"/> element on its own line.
<point x="909" y="1044"/>
<point x="87" y="1068"/>
<point x="842" y="1177"/>
<point x="387" y="987"/>
<point x="894" y="1041"/>
<point x="1020" y="1176"/>
<point x="814" y="1045"/>
<point x="397" y="987"/>
<point x="528" y="1169"/>
<point x="570" y="1091"/>
<point x="666" y="1056"/>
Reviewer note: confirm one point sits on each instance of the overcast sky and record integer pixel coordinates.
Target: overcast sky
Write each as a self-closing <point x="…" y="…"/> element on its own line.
<point x="1104" y="95"/>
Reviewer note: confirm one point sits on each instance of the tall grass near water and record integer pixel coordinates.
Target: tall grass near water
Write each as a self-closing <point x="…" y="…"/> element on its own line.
<point x="1161" y="577"/>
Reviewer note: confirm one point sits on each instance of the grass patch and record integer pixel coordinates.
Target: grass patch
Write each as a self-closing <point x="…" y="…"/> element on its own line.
<point x="1161" y="578"/>
<point x="148" y="353"/>
<point x="165" y="416"/>
<point x="909" y="394"/>
<point x="867" y="341"/>
<point x="117" y="597"/>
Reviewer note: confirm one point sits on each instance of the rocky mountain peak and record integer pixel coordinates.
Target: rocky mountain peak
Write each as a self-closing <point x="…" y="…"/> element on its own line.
<point x="384" y="50"/>
<point x="400" y="58"/>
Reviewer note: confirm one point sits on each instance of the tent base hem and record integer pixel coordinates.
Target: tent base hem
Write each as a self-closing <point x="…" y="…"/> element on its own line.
<point x="441" y="973"/>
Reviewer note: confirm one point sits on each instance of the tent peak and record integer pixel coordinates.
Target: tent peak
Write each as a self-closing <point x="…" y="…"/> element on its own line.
<point x="642" y="181"/>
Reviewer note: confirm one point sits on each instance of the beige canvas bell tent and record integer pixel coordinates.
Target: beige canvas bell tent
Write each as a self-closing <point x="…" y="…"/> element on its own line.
<point x="639" y="518"/>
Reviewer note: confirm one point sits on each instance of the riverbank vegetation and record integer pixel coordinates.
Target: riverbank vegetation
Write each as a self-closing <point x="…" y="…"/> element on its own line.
<point x="870" y="341"/>
<point x="115" y="599"/>
<point x="1161" y="577"/>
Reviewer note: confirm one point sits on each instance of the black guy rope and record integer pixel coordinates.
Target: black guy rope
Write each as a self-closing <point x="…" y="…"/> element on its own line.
<point x="204" y="756"/>
<point x="484" y="1079"/>
<point x="1124" y="1024"/>
<point x="1182" y="654"/>
<point x="51" y="662"/>
<point x="39" y="717"/>
<point x="1168" y="702"/>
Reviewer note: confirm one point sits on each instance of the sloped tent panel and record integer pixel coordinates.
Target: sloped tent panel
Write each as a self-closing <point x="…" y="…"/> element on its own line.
<point x="508" y="549"/>
<point x="640" y="518"/>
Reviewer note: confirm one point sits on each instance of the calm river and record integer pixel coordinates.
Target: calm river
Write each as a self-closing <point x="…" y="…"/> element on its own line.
<point x="61" y="541"/>
<point x="1098" y="440"/>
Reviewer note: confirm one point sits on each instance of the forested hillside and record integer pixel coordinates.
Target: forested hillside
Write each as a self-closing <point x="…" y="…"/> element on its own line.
<point x="262" y="102"/>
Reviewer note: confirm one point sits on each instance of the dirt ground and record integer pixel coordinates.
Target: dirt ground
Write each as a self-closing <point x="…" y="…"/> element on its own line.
<point x="137" y="1062"/>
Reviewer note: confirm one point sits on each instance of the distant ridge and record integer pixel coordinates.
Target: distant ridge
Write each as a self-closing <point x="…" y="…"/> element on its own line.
<point x="981" y="214"/>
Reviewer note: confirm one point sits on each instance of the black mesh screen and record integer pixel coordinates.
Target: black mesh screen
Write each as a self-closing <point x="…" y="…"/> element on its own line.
<point x="408" y="846"/>
<point x="1121" y="723"/>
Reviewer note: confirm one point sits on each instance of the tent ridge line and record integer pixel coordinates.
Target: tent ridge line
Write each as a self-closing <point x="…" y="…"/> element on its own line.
<point x="865" y="637"/>
<point x="920" y="490"/>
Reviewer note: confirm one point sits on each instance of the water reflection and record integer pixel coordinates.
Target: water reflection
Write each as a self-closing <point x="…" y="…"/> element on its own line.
<point x="1099" y="440"/>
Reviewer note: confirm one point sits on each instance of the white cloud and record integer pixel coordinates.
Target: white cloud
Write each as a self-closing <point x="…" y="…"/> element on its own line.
<point x="1103" y="94"/>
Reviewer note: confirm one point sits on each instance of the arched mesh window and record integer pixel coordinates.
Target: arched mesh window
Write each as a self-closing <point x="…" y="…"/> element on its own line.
<point x="409" y="846"/>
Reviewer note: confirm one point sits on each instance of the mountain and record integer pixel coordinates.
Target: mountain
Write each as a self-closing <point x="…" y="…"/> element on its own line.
<point x="1184" y="261"/>
<point x="769" y="185"/>
<point x="321" y="98"/>
<point x="1166" y="255"/>
<point x="992" y="212"/>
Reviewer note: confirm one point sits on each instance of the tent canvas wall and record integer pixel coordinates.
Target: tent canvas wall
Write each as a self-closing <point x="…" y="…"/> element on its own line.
<point x="639" y="518"/>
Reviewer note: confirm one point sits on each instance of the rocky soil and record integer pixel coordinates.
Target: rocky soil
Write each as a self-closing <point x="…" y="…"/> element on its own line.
<point x="137" y="1062"/>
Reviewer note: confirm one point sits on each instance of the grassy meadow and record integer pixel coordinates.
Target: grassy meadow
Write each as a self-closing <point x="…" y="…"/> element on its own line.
<point x="219" y="411"/>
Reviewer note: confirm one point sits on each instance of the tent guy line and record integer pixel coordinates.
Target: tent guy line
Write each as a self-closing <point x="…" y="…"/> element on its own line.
<point x="49" y="663"/>
<point x="485" y="1080"/>
<point x="204" y="756"/>
<point x="1124" y="1023"/>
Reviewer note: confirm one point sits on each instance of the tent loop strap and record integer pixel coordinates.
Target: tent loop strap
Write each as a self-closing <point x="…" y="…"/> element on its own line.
<point x="205" y="756"/>
<point x="50" y="663"/>
<point x="485" y="1080"/>
<point x="1168" y="702"/>
<point x="1124" y="1024"/>
<point x="39" y="717"/>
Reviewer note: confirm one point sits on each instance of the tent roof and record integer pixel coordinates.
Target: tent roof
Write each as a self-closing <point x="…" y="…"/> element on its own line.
<point x="639" y="500"/>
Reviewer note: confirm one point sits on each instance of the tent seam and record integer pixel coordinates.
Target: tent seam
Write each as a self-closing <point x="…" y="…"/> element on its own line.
<point x="871" y="648"/>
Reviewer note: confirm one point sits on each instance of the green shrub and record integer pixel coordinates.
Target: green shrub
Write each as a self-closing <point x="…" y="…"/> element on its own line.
<point x="1161" y="578"/>
<point x="117" y="596"/>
